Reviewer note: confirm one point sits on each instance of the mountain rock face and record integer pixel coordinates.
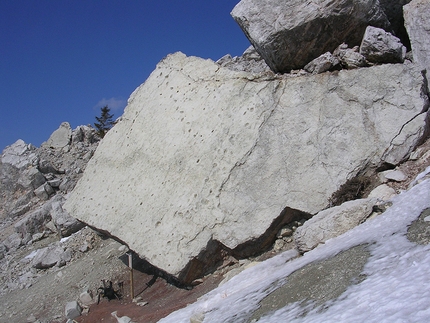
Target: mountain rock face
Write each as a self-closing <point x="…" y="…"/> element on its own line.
<point x="289" y="34"/>
<point x="205" y="158"/>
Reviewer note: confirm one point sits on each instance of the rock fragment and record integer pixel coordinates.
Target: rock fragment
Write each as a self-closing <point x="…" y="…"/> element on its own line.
<point x="379" y="46"/>
<point x="289" y="34"/>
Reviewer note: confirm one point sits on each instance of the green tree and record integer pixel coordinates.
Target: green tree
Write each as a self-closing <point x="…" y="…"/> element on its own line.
<point x="104" y="122"/>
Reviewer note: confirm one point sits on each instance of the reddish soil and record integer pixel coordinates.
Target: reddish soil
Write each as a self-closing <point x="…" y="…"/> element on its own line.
<point x="162" y="299"/>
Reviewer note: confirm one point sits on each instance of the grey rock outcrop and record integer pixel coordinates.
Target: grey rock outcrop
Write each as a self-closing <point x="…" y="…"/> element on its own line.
<point x="60" y="138"/>
<point x="30" y="176"/>
<point x="239" y="155"/>
<point x="322" y="63"/>
<point x="34" y="222"/>
<point x="250" y="61"/>
<point x="20" y="155"/>
<point x="417" y="23"/>
<point x="349" y="58"/>
<point x="379" y="46"/>
<point x="289" y="34"/>
<point x="37" y="220"/>
<point x="331" y="223"/>
<point x="65" y="224"/>
<point x="51" y="256"/>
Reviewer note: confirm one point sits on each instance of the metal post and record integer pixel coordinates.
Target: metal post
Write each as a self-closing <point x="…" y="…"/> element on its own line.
<point x="130" y="264"/>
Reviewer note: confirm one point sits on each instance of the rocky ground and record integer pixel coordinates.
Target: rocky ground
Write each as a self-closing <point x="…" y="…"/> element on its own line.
<point x="40" y="295"/>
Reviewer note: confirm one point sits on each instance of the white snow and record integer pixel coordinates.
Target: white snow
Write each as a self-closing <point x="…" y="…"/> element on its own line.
<point x="396" y="289"/>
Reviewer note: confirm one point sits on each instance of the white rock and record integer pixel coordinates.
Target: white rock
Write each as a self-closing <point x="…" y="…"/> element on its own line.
<point x="331" y="223"/>
<point x="379" y="46"/>
<point x="321" y="64"/>
<point x="202" y="152"/>
<point x="18" y="154"/>
<point x="392" y="175"/>
<point x="60" y="138"/>
<point x="383" y="192"/>
<point x="72" y="310"/>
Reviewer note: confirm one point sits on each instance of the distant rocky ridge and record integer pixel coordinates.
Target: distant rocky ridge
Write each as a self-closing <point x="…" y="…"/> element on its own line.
<point x="34" y="182"/>
<point x="213" y="159"/>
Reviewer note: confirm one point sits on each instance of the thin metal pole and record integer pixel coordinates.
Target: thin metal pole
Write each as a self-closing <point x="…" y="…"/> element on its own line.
<point x="130" y="264"/>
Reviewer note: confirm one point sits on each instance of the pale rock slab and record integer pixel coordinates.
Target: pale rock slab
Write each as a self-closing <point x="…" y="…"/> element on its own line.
<point x="392" y="175"/>
<point x="205" y="155"/>
<point x="331" y="223"/>
<point x="19" y="155"/>
<point x="60" y="138"/>
<point x="289" y="34"/>
<point x="86" y="299"/>
<point x="250" y="61"/>
<point x="382" y="192"/>
<point x="49" y="257"/>
<point x="379" y="46"/>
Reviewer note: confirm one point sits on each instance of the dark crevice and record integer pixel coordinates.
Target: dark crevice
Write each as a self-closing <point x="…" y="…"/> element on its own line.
<point x="263" y="243"/>
<point x="215" y="253"/>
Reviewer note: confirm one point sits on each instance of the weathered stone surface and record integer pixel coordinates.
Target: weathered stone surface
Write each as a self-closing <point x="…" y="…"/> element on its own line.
<point x="85" y="298"/>
<point x="321" y="64"/>
<point x="382" y="192"/>
<point x="289" y="34"/>
<point x="65" y="223"/>
<point x="37" y="220"/>
<point x="72" y="310"/>
<point x="60" y="138"/>
<point x="349" y="57"/>
<point x="392" y="175"/>
<point x="250" y="61"/>
<point x="379" y="46"/>
<point x="417" y="24"/>
<point x="34" y="222"/>
<point x="25" y="168"/>
<point x="43" y="192"/>
<point x="13" y="241"/>
<point x="85" y="134"/>
<point x="331" y="223"/>
<point x="49" y="257"/>
<point x="19" y="155"/>
<point x="204" y="154"/>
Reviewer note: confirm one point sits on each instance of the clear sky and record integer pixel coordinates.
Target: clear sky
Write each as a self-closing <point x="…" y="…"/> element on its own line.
<point x="62" y="60"/>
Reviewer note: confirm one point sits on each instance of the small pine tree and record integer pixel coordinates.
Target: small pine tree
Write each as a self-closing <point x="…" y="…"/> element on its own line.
<point x="105" y="122"/>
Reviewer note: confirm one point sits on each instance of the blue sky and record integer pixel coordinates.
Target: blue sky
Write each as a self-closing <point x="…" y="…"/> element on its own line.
<point x="62" y="60"/>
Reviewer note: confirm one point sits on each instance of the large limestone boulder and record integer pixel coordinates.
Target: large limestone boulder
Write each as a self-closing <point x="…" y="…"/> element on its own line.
<point x="205" y="157"/>
<point x="289" y="34"/>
